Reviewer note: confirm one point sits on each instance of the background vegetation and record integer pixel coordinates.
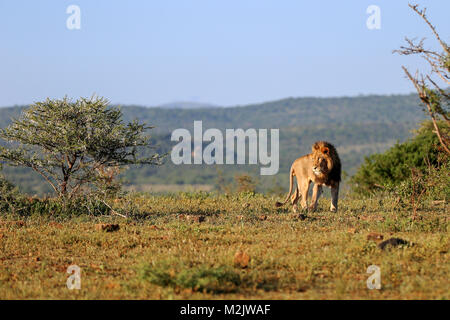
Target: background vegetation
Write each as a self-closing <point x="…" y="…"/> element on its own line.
<point x="358" y="126"/>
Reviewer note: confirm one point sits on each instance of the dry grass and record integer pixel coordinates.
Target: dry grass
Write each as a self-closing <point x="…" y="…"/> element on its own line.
<point x="165" y="253"/>
<point x="165" y="188"/>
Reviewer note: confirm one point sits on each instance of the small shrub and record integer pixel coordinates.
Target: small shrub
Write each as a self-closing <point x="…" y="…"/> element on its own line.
<point x="433" y="184"/>
<point x="245" y="183"/>
<point x="221" y="279"/>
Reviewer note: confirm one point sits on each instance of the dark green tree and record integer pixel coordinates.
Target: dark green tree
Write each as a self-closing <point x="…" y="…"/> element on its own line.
<point x="70" y="144"/>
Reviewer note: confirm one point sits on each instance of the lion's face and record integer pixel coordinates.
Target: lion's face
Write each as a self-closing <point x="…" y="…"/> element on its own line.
<point x="322" y="162"/>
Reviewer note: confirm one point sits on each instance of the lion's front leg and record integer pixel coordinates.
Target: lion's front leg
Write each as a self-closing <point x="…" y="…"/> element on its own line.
<point x="334" y="198"/>
<point x="317" y="191"/>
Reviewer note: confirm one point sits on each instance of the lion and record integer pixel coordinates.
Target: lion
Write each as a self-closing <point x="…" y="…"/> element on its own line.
<point x="323" y="167"/>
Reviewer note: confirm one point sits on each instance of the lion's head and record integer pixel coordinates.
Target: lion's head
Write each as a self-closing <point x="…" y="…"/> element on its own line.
<point x="326" y="161"/>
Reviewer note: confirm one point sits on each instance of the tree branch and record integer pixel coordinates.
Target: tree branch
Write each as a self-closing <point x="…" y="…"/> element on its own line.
<point x="423" y="97"/>
<point x="422" y="14"/>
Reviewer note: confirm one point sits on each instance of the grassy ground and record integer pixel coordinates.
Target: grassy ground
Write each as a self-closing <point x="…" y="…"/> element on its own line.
<point x="165" y="252"/>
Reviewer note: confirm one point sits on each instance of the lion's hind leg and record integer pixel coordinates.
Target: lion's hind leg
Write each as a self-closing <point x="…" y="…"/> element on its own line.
<point x="294" y="199"/>
<point x="334" y="198"/>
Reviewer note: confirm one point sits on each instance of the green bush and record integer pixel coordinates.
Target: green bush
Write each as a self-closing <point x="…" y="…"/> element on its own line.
<point x="8" y="195"/>
<point x="201" y="278"/>
<point x="15" y="204"/>
<point x="381" y="171"/>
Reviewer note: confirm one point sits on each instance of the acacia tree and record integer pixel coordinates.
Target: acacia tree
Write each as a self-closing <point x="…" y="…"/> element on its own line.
<point x="71" y="143"/>
<point x="429" y="86"/>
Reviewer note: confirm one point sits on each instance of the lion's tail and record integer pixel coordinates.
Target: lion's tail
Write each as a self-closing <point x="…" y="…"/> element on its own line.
<point x="291" y="185"/>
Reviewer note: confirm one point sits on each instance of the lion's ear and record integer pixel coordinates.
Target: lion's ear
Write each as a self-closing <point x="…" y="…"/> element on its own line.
<point x="315" y="146"/>
<point x="325" y="150"/>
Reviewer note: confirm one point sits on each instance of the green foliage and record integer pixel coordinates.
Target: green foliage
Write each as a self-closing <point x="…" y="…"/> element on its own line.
<point x="223" y="279"/>
<point x="394" y="166"/>
<point x="8" y="195"/>
<point x="439" y="101"/>
<point x="430" y="184"/>
<point x="60" y="208"/>
<point x="69" y="143"/>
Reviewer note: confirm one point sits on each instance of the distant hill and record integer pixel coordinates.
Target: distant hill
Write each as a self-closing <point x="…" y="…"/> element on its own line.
<point x="358" y="126"/>
<point x="289" y="112"/>
<point x="187" y="105"/>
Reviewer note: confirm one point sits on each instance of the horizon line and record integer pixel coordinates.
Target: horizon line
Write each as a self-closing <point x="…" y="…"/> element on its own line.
<point x="214" y="105"/>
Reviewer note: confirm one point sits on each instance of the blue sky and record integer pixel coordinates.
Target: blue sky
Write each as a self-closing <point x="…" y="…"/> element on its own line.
<point x="226" y="52"/>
